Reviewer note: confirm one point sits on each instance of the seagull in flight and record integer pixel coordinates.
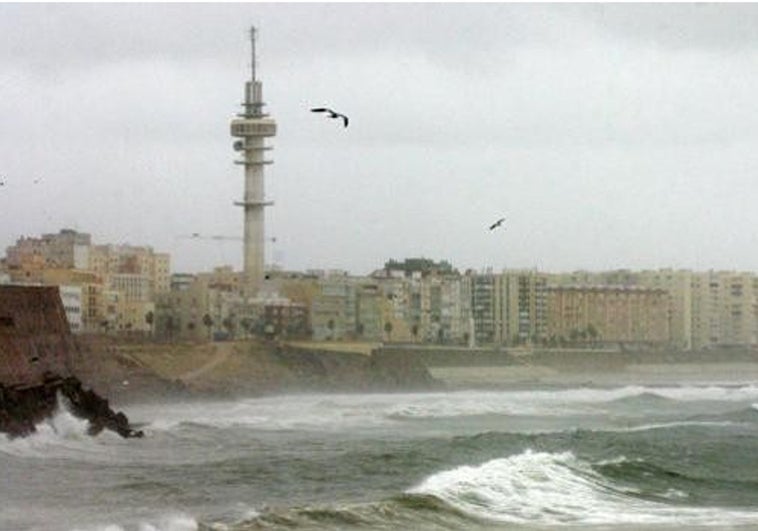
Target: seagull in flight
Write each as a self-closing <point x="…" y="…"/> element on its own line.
<point x="332" y="114"/>
<point x="497" y="224"/>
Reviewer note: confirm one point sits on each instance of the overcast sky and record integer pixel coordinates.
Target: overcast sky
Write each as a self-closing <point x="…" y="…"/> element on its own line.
<point x="608" y="135"/>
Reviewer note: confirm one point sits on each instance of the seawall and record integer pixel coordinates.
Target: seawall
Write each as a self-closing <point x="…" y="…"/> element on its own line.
<point x="242" y="368"/>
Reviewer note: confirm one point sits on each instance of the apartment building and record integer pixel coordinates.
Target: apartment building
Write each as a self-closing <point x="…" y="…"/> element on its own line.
<point x="524" y="307"/>
<point x="486" y="307"/>
<point x="333" y="309"/>
<point x="67" y="249"/>
<point x="108" y="260"/>
<point x="370" y="307"/>
<point x="678" y="284"/>
<point x="608" y="315"/>
<point x="446" y="309"/>
<point x="180" y="314"/>
<point x="71" y="297"/>
<point x="724" y="309"/>
<point x="136" y="301"/>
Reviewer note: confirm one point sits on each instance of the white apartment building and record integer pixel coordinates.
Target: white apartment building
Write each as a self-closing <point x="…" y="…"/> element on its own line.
<point x="71" y="297"/>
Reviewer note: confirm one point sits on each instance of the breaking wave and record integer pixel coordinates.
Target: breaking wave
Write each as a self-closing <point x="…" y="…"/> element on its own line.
<point x="63" y="435"/>
<point x="558" y="488"/>
<point x="165" y="523"/>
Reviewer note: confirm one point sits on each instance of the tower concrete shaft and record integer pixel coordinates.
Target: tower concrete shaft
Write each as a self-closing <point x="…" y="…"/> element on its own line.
<point x="251" y="127"/>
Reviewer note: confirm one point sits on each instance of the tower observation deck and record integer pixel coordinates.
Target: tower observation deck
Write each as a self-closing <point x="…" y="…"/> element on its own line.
<point x="251" y="127"/>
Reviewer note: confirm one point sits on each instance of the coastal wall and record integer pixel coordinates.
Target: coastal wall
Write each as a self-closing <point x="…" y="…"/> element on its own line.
<point x="433" y="356"/>
<point x="37" y="352"/>
<point x="151" y="371"/>
<point x="35" y="342"/>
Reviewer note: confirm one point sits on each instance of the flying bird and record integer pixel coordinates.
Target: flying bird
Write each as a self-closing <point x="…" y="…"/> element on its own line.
<point x="332" y="114"/>
<point x="497" y="224"/>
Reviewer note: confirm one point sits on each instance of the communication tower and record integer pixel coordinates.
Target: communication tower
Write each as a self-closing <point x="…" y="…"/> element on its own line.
<point x="251" y="127"/>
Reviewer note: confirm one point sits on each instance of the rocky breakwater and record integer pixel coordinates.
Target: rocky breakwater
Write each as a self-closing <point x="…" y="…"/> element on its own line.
<point x="21" y="410"/>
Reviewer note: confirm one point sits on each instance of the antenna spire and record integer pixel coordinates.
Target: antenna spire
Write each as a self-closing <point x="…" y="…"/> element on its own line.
<point x="252" y="49"/>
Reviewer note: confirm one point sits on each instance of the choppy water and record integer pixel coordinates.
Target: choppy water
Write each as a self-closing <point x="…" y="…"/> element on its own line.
<point x="605" y="458"/>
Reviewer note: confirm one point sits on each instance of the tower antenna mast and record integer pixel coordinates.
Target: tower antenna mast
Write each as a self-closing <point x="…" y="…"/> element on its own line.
<point x="252" y="48"/>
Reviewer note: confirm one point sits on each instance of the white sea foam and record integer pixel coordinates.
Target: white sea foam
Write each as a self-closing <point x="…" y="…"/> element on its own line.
<point x="721" y="393"/>
<point x="674" y="424"/>
<point x="294" y="412"/>
<point x="61" y="435"/>
<point x="340" y="411"/>
<point x="559" y="489"/>
<point x="172" y="522"/>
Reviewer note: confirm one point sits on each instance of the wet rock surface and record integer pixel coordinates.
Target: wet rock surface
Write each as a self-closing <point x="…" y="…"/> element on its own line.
<point x="21" y="410"/>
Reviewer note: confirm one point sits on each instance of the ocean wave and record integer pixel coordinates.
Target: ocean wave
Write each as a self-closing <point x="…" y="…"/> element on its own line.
<point x="585" y="401"/>
<point x="560" y="489"/>
<point x="172" y="522"/>
<point x="405" y="511"/>
<point x="714" y="393"/>
<point x="746" y="415"/>
<point x="547" y="403"/>
<point x="286" y="413"/>
<point x="644" y="397"/>
<point x="676" y="424"/>
<point x="62" y="435"/>
<point x="337" y="412"/>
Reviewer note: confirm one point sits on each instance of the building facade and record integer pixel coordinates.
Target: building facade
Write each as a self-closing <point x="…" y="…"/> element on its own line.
<point x="608" y="315"/>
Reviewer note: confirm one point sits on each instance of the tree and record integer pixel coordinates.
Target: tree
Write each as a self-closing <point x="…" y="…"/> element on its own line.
<point x="414" y="332"/>
<point x="388" y="330"/>
<point x="170" y="326"/>
<point x="208" y="322"/>
<point x="592" y="333"/>
<point x="229" y="325"/>
<point x="149" y="319"/>
<point x="246" y="323"/>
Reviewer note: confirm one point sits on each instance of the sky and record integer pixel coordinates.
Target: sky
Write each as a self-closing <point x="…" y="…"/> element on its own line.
<point x="608" y="135"/>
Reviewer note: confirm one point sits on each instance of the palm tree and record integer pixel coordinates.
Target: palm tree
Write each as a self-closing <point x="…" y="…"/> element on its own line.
<point x="414" y="332"/>
<point x="208" y="322"/>
<point x="592" y="333"/>
<point x="149" y="318"/>
<point x="230" y="326"/>
<point x="246" y="323"/>
<point x="388" y="330"/>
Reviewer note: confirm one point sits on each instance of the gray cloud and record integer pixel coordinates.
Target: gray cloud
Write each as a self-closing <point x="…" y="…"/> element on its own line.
<point x="610" y="135"/>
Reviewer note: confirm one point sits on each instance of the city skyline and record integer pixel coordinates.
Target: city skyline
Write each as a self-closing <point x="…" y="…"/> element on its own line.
<point x="609" y="136"/>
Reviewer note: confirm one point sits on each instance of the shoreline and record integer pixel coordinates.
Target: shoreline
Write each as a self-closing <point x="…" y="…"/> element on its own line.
<point x="131" y="373"/>
<point x="644" y="374"/>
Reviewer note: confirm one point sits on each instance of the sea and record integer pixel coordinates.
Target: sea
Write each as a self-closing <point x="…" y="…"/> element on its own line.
<point x="583" y="456"/>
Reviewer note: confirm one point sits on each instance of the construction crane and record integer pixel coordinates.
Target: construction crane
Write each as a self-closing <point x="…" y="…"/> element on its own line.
<point x="222" y="238"/>
<point x="217" y="237"/>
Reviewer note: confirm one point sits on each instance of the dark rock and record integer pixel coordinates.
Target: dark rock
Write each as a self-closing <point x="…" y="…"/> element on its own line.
<point x="22" y="409"/>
